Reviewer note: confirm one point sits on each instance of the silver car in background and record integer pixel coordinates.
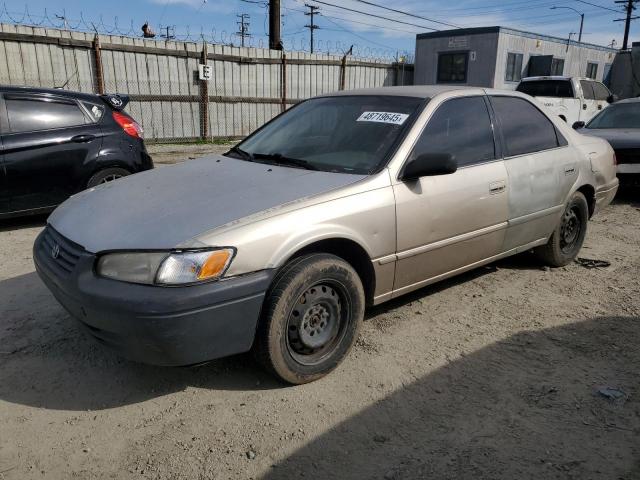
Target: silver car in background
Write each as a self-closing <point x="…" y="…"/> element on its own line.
<point x="345" y="200"/>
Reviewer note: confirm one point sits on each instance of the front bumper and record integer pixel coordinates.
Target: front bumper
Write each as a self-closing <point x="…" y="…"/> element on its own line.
<point x="605" y="195"/>
<point x="150" y="324"/>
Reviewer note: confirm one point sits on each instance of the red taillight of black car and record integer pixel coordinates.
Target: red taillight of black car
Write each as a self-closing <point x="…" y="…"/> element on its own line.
<point x="128" y="124"/>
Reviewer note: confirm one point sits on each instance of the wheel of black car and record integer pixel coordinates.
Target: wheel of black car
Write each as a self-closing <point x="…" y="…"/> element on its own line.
<point x="311" y="318"/>
<point x="568" y="237"/>
<point x="107" y="175"/>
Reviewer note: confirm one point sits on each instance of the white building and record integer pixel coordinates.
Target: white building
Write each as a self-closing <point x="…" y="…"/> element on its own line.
<point x="499" y="57"/>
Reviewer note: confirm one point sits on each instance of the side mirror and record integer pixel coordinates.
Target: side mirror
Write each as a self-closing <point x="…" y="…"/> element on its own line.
<point x="577" y="125"/>
<point x="429" y="164"/>
<point x="612" y="98"/>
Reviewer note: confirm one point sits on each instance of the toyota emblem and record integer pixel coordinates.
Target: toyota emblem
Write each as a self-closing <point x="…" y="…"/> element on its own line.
<point x="55" y="251"/>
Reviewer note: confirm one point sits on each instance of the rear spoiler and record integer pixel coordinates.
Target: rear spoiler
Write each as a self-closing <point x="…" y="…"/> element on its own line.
<point x="116" y="100"/>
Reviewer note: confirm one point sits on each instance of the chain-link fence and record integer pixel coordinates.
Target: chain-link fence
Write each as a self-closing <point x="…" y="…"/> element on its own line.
<point x="246" y="87"/>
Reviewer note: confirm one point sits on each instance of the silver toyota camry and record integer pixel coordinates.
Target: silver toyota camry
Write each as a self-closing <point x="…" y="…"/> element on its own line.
<point x="344" y="201"/>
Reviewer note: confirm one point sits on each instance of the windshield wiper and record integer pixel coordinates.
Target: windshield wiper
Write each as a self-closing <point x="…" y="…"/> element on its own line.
<point x="243" y="153"/>
<point x="280" y="159"/>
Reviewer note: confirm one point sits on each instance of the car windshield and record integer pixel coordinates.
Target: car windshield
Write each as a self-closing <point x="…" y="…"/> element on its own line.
<point x="346" y="134"/>
<point x="622" y="115"/>
<point x="547" y="88"/>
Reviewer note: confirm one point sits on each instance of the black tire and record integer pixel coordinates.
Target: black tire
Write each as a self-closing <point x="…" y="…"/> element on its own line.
<point x="568" y="237"/>
<point x="311" y="318"/>
<point x="107" y="175"/>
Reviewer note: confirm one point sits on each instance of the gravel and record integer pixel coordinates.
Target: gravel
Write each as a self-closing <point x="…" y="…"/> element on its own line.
<point x="493" y="374"/>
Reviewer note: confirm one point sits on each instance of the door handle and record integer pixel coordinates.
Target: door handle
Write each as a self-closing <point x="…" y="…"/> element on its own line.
<point x="569" y="170"/>
<point x="599" y="107"/>
<point x="497" y="187"/>
<point x="83" y="138"/>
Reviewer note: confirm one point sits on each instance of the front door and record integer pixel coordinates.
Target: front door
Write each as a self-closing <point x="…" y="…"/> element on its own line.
<point x="541" y="168"/>
<point x="589" y="106"/>
<point x="448" y="222"/>
<point x="45" y="149"/>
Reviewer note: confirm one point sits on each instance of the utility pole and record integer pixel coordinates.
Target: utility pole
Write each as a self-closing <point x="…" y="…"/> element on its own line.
<point x="243" y="27"/>
<point x="275" y="43"/>
<point x="581" y="19"/>
<point x="313" y="10"/>
<point x="630" y="7"/>
<point x="168" y="35"/>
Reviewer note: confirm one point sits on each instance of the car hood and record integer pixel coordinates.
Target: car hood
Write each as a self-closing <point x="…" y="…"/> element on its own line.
<point x="167" y="207"/>
<point x="619" y="138"/>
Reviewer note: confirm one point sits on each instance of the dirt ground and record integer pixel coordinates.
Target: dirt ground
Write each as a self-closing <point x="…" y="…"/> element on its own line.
<point x="510" y="371"/>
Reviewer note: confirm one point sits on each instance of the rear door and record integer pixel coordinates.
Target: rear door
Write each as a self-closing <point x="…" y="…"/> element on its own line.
<point x="589" y="103"/>
<point x="448" y="222"/>
<point x="541" y="169"/>
<point x="601" y="94"/>
<point x="49" y="139"/>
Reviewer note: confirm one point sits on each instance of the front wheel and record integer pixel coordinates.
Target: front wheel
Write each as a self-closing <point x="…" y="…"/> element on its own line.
<point x="311" y="318"/>
<point x="568" y="237"/>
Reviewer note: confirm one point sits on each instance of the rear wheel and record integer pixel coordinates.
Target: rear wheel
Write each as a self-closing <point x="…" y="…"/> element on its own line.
<point x="311" y="318"/>
<point x="568" y="237"/>
<point x="107" y="175"/>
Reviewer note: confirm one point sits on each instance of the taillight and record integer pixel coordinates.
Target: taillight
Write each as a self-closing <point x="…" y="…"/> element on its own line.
<point x="128" y="124"/>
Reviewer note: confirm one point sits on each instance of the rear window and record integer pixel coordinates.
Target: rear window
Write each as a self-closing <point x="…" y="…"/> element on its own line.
<point x="547" y="88"/>
<point x="30" y="114"/>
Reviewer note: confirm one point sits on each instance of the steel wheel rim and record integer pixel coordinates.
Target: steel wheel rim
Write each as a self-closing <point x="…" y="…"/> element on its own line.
<point x="318" y="322"/>
<point x="110" y="178"/>
<point x="570" y="229"/>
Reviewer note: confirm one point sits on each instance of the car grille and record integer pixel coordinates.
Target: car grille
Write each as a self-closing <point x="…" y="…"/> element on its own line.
<point x="629" y="155"/>
<point x="59" y="253"/>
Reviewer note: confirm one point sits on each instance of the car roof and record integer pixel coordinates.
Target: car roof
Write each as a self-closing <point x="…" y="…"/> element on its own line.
<point x="555" y="77"/>
<point x="48" y="91"/>
<point x="419" y="91"/>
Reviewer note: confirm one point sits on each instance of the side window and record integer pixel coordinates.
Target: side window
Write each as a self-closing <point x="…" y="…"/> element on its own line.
<point x="587" y="90"/>
<point x="513" y="71"/>
<point x="461" y="127"/>
<point x="452" y="67"/>
<point x="525" y="128"/>
<point x="601" y="92"/>
<point x="30" y="114"/>
<point x="592" y="70"/>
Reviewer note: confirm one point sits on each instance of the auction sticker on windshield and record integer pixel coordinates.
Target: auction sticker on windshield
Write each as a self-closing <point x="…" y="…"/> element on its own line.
<point x="383" y="117"/>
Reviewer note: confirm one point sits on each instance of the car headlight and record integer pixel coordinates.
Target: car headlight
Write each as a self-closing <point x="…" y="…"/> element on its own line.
<point x="166" y="268"/>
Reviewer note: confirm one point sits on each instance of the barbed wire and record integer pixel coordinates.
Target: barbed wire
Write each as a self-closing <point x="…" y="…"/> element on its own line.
<point x="188" y="34"/>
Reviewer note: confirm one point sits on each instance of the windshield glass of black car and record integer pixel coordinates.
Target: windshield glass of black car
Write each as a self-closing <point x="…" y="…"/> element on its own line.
<point x="347" y="134"/>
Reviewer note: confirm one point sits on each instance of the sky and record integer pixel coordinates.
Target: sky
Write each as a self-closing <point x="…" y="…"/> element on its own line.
<point x="342" y="23"/>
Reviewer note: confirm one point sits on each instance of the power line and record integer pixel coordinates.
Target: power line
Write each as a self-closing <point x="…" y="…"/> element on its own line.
<point x="599" y="6"/>
<point x="313" y="10"/>
<point x="374" y="15"/>
<point x="413" y="15"/>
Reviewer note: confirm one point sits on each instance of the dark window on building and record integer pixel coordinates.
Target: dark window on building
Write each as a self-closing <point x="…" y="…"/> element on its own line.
<point x="547" y="88"/>
<point x="513" y="71"/>
<point x="592" y="70"/>
<point x="461" y="127"/>
<point x="601" y="92"/>
<point x="29" y="114"/>
<point x="525" y="128"/>
<point x="452" y="67"/>
<point x="587" y="90"/>
<point x="557" y="66"/>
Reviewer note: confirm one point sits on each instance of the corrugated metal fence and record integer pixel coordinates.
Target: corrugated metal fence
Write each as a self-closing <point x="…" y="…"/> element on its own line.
<point x="249" y="85"/>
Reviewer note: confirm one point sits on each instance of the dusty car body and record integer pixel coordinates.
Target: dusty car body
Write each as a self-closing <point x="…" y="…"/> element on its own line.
<point x="396" y="229"/>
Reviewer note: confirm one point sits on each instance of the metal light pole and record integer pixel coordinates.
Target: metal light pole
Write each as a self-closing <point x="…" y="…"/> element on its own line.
<point x="581" y="19"/>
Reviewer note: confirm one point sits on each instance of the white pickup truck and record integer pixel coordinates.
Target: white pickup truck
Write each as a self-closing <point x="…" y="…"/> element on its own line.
<point x="572" y="98"/>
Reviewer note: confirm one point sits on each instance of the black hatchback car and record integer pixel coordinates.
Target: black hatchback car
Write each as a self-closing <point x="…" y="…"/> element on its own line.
<point x="54" y="143"/>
